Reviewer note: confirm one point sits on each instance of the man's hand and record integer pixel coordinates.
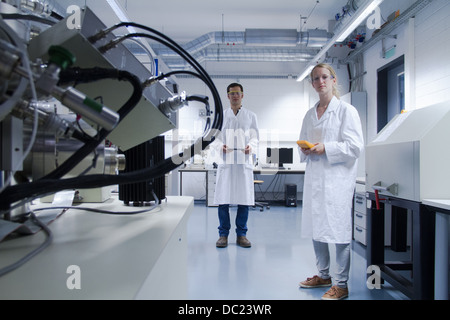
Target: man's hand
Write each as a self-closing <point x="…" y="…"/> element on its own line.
<point x="225" y="149"/>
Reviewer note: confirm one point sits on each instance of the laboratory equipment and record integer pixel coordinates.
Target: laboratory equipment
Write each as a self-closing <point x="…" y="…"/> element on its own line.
<point x="114" y="93"/>
<point x="408" y="159"/>
<point x="73" y="99"/>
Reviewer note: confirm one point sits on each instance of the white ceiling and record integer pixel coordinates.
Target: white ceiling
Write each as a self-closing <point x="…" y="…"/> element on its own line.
<point x="188" y="20"/>
<point x="185" y="20"/>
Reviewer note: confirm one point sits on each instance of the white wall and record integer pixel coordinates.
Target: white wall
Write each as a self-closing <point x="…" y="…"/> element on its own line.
<point x="432" y="54"/>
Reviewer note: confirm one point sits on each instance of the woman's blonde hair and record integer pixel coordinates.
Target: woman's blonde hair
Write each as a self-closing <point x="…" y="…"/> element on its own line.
<point x="333" y="74"/>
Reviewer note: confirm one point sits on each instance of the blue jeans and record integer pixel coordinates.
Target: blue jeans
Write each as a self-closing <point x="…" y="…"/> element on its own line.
<point x="224" y="220"/>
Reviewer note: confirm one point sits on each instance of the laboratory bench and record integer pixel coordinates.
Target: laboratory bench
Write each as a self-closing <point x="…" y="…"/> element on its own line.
<point x="110" y="256"/>
<point x="441" y="209"/>
<point x="421" y="262"/>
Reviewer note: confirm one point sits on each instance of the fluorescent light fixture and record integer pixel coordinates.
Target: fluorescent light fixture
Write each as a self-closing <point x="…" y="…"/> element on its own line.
<point x="120" y="14"/>
<point x="362" y="13"/>
<point x="305" y="73"/>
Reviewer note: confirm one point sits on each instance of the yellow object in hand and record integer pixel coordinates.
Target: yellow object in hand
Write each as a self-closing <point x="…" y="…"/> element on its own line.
<point x="305" y="144"/>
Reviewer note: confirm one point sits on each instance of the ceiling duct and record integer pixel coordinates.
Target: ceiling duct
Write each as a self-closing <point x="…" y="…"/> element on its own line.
<point x="271" y="37"/>
<point x="250" y="45"/>
<point x="243" y="54"/>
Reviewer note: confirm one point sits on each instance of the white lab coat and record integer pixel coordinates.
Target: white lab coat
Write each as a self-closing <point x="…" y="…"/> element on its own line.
<point x="234" y="179"/>
<point x="331" y="177"/>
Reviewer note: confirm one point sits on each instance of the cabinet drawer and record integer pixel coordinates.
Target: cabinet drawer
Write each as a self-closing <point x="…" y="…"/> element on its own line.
<point x="359" y="202"/>
<point x="360" y="234"/>
<point x="359" y="219"/>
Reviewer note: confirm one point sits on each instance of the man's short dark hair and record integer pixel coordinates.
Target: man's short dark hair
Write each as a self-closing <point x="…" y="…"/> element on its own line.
<point x="234" y="84"/>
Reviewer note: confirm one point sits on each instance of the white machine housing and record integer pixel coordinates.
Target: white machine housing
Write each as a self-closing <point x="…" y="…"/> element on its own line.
<point x="410" y="157"/>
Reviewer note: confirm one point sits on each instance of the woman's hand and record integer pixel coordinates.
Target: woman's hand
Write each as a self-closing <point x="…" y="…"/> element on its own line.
<point x="319" y="148"/>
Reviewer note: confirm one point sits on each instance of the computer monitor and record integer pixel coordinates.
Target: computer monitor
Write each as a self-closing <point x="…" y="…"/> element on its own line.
<point x="280" y="156"/>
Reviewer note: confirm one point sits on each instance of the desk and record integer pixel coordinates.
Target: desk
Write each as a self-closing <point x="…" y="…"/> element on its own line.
<point x="211" y="178"/>
<point x="278" y="171"/>
<point x="140" y="256"/>
<point x="187" y="170"/>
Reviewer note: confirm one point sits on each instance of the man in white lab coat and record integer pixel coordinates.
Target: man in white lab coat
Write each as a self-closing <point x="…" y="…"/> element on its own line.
<point x="237" y="141"/>
<point x="334" y="127"/>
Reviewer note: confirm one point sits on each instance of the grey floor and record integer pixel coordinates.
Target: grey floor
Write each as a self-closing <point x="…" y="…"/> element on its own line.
<point x="272" y="268"/>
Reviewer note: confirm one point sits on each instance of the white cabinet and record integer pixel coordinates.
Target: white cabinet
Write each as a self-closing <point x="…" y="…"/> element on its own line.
<point x="210" y="187"/>
<point x="360" y="218"/>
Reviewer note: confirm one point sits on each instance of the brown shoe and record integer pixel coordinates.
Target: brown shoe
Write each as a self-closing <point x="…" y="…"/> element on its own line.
<point x="222" y="242"/>
<point x="335" y="293"/>
<point x="315" y="282"/>
<point x="243" y="242"/>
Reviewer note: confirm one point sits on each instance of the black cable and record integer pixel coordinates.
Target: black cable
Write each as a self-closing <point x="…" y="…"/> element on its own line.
<point x="46" y="186"/>
<point x="88" y="147"/>
<point x="175" y="72"/>
<point x="81" y="135"/>
<point x="218" y="116"/>
<point x="217" y="124"/>
<point x="204" y="100"/>
<point x="160" y="37"/>
<point x="89" y="75"/>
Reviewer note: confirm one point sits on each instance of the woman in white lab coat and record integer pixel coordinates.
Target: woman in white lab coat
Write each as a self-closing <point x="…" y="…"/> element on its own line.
<point x="334" y="127"/>
<point x="237" y="141"/>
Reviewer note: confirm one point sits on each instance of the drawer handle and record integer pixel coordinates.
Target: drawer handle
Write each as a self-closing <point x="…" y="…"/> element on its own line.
<point x="358" y="229"/>
<point x="359" y="215"/>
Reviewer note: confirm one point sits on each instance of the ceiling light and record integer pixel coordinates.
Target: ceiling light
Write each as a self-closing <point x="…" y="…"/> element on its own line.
<point x="305" y="73"/>
<point x="117" y="10"/>
<point x="120" y="14"/>
<point x="362" y="13"/>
